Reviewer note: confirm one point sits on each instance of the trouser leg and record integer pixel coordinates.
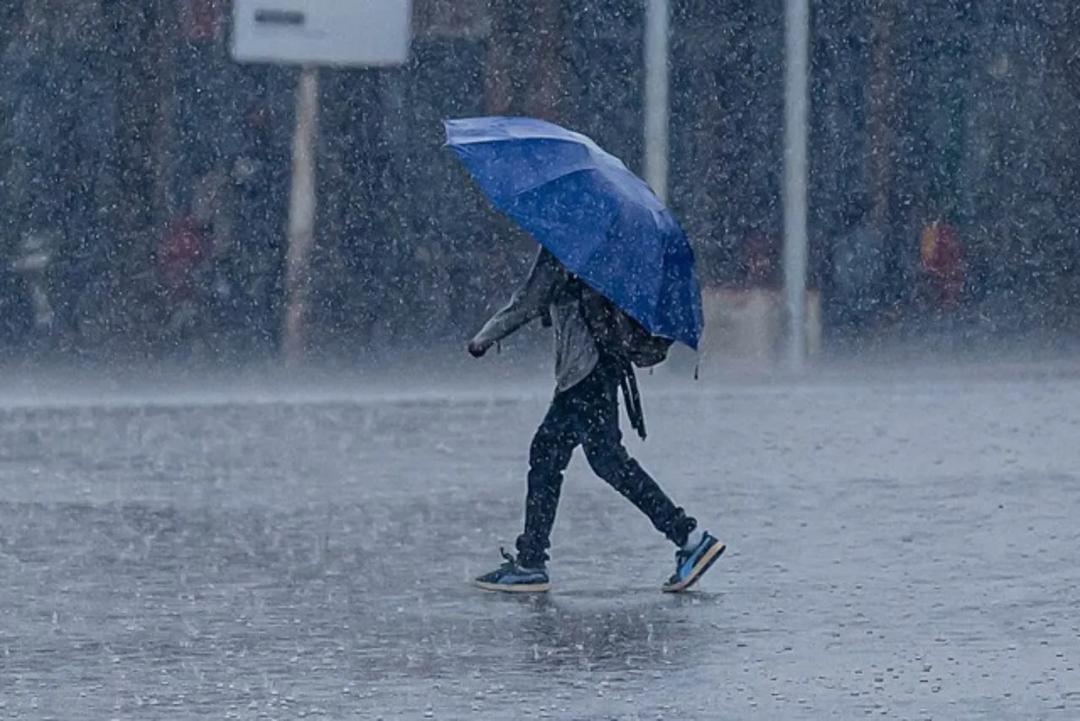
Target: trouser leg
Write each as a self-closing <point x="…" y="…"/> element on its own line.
<point x="609" y="460"/>
<point x="549" y="455"/>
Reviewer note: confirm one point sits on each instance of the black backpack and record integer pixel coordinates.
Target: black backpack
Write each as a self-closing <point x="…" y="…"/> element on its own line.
<point x="619" y="335"/>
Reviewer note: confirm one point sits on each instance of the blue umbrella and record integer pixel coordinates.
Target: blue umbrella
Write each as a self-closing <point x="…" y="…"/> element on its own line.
<point x="600" y="220"/>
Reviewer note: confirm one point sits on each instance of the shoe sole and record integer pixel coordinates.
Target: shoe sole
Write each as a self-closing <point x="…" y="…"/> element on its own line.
<point x="511" y="588"/>
<point x="704" y="564"/>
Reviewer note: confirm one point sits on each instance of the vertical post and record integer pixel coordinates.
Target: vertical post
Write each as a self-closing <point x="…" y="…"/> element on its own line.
<point x="881" y="112"/>
<point x="796" y="131"/>
<point x="301" y="228"/>
<point x="545" y="96"/>
<point x="657" y="21"/>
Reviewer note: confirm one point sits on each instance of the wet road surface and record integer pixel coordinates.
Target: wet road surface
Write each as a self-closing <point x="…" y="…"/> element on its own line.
<point x="896" y="550"/>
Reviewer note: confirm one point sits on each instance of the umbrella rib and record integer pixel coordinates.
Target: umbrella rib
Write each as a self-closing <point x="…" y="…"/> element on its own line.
<point x="549" y="181"/>
<point x="578" y="140"/>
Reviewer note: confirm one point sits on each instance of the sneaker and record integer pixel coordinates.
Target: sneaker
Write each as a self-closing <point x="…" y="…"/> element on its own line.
<point x="512" y="578"/>
<point x="691" y="564"/>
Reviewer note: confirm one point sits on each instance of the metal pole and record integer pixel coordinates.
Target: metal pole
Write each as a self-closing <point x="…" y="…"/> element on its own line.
<point x="881" y="111"/>
<point x="657" y="21"/>
<point x="301" y="227"/>
<point x="796" y="131"/>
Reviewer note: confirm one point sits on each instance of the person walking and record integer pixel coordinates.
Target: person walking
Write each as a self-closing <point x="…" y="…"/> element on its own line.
<point x="584" y="412"/>
<point x="615" y="276"/>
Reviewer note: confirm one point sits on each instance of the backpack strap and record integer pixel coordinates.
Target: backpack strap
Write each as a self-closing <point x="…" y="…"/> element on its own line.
<point x="602" y="319"/>
<point x="628" y="383"/>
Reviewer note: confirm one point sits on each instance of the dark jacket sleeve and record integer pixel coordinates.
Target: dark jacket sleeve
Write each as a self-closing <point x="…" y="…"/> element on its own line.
<point x="529" y="302"/>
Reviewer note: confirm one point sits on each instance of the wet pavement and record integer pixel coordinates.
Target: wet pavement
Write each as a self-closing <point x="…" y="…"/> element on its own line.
<point x="897" y="549"/>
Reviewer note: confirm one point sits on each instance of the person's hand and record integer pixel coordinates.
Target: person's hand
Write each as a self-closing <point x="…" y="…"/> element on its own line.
<point x="477" y="349"/>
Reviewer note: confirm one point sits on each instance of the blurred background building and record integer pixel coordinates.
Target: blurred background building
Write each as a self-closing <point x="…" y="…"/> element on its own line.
<point x="144" y="174"/>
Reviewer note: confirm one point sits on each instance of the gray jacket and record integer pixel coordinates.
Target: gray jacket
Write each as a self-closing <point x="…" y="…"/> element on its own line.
<point x="548" y="287"/>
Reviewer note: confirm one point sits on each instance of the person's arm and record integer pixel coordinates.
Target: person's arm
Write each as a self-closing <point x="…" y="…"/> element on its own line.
<point x="528" y="303"/>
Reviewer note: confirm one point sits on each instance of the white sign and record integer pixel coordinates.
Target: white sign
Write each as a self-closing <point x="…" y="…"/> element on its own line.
<point x="322" y="32"/>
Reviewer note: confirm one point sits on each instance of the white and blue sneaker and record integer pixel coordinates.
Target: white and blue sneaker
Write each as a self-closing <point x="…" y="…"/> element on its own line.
<point x="692" y="563"/>
<point x="512" y="578"/>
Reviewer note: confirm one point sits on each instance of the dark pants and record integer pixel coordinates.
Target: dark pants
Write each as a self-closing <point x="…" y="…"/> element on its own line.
<point x="588" y="415"/>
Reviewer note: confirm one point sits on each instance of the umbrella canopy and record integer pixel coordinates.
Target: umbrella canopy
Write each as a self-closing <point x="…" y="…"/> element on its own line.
<point x="600" y="220"/>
